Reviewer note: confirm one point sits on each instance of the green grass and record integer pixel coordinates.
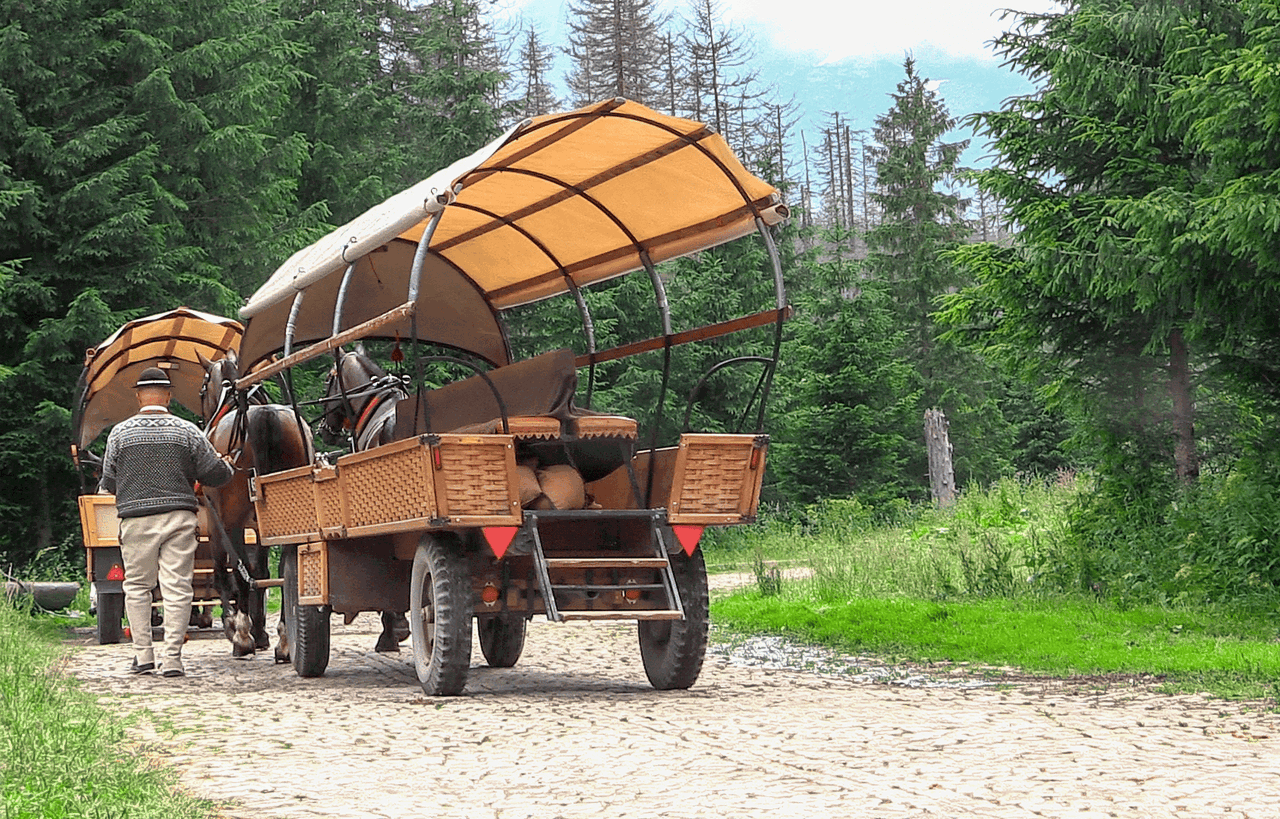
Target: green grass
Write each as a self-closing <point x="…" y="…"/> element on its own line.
<point x="1229" y="654"/>
<point x="61" y="755"/>
<point x="989" y="582"/>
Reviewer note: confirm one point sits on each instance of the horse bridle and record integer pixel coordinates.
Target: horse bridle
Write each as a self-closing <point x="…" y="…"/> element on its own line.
<point x="228" y="397"/>
<point x="376" y="388"/>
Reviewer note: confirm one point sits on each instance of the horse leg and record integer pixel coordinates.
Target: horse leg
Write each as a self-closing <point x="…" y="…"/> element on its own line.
<point x="282" y="628"/>
<point x="258" y="602"/>
<point x="395" y="628"/>
<point x="222" y="581"/>
<point x="242" y="623"/>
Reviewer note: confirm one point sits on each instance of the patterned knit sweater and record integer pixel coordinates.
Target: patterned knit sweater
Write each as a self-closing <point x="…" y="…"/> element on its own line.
<point x="152" y="461"/>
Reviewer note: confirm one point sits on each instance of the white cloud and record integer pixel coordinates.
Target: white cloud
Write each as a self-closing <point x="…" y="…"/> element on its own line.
<point x="838" y="29"/>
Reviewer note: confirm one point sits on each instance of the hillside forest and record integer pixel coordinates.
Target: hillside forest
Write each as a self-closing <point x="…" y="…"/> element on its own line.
<point x="1100" y="300"/>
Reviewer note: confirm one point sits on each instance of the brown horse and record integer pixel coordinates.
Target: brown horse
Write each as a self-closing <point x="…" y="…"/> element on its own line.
<point x="264" y="437"/>
<point x="360" y="397"/>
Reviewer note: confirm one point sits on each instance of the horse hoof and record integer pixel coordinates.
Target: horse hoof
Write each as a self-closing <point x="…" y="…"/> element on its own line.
<point x="387" y="645"/>
<point x="282" y="659"/>
<point x="242" y="652"/>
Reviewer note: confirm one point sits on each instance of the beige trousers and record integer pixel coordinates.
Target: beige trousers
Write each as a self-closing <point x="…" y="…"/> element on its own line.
<point x="158" y="548"/>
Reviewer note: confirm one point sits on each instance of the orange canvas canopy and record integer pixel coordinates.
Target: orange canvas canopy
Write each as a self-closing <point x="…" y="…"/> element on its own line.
<point x="559" y="201"/>
<point x="169" y="341"/>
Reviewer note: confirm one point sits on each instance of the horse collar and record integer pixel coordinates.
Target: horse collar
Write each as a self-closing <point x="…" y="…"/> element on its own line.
<point x="219" y="415"/>
<point x="368" y="410"/>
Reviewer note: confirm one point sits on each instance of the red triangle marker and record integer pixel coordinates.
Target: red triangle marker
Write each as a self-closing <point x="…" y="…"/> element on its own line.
<point x="688" y="536"/>
<point x="500" y="538"/>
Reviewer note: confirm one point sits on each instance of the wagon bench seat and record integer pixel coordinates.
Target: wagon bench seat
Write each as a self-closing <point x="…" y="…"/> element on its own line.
<point x="538" y="396"/>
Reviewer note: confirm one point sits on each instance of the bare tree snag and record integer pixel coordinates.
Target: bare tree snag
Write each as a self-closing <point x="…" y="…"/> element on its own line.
<point x="942" y="483"/>
<point x="1186" y="462"/>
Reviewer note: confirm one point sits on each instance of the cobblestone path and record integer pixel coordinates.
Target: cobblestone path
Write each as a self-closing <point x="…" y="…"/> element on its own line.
<point x="575" y="731"/>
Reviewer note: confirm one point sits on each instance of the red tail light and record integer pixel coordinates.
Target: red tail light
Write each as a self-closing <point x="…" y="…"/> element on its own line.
<point x="116" y="572"/>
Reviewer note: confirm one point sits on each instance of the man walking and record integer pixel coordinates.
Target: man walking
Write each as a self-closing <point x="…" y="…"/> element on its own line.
<point x="151" y="464"/>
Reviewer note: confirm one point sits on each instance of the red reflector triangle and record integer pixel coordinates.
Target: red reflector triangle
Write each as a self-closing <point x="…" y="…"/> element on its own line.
<point x="116" y="572"/>
<point x="688" y="537"/>
<point x="499" y="538"/>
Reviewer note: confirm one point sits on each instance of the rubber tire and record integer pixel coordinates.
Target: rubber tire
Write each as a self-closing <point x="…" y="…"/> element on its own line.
<point x="308" y="625"/>
<point x="110" y="613"/>
<point x="440" y="616"/>
<point x="673" y="650"/>
<point x="501" y="639"/>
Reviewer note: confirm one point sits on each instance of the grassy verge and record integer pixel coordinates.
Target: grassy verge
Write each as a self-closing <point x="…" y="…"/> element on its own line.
<point x="60" y="754"/>
<point x="1228" y="654"/>
<point x="991" y="582"/>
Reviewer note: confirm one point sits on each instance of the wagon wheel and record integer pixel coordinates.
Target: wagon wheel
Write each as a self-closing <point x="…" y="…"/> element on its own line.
<point x="110" y="611"/>
<point x="672" y="650"/>
<point x="307" y="626"/>
<point x="440" y="616"/>
<point x="501" y="638"/>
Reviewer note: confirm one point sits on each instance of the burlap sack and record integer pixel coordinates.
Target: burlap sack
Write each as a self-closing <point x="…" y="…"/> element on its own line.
<point x="527" y="480"/>
<point x="562" y="488"/>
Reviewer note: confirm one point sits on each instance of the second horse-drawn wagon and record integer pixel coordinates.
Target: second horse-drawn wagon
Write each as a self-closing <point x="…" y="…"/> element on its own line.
<point x="503" y="495"/>
<point x="174" y="341"/>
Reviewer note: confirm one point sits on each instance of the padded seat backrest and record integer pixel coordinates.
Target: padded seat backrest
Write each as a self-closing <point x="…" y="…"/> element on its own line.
<point x="542" y="385"/>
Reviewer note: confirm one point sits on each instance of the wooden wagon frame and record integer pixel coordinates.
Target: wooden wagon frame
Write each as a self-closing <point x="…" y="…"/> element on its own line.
<point x="433" y="523"/>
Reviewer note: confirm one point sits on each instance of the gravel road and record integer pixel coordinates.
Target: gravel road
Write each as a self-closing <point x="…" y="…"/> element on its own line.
<point x="574" y="730"/>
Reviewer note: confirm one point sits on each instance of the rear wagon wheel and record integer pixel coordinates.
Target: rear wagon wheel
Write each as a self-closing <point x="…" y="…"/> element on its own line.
<point x="440" y="615"/>
<point x="673" y="650"/>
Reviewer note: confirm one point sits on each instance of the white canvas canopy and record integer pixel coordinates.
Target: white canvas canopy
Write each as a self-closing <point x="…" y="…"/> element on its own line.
<point x="560" y="201"/>
<point x="167" y="340"/>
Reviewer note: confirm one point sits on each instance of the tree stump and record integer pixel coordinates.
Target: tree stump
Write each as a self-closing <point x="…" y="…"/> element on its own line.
<point x="942" y="481"/>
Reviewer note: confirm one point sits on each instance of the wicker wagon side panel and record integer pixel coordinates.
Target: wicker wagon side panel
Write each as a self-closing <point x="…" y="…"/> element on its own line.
<point x="286" y="506"/>
<point x="717" y="479"/>
<point x="475" y="479"/>
<point x="387" y="486"/>
<point x="313" y="574"/>
<point x="329" y="502"/>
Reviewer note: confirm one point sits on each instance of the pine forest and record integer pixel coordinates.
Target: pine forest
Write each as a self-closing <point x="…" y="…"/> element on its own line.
<point x="1094" y="302"/>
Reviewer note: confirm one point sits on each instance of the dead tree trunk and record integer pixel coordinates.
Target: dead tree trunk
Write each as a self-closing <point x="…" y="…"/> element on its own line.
<point x="942" y="482"/>
<point x="1186" y="462"/>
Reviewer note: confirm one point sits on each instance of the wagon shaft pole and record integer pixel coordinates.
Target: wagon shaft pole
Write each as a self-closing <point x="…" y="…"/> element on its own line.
<point x="400" y="313"/>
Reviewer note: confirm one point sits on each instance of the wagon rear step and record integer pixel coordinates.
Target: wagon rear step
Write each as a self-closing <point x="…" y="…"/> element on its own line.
<point x="626" y="592"/>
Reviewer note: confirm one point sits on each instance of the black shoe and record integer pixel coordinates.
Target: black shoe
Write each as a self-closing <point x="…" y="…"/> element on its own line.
<point x="144" y="668"/>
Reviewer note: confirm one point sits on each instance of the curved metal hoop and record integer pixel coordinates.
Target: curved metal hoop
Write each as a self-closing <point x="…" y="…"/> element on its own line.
<point x="769" y="364"/>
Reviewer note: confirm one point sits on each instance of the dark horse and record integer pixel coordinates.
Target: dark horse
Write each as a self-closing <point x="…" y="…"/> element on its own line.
<point x="267" y="438"/>
<point x="361" y="397"/>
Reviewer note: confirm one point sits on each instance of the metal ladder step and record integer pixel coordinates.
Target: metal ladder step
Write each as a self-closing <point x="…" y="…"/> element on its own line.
<point x="606" y="562"/>
<point x="622" y="615"/>
<point x="671" y="605"/>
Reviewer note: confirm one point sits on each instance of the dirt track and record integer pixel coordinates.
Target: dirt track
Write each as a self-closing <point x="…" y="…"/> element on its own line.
<point x="575" y="731"/>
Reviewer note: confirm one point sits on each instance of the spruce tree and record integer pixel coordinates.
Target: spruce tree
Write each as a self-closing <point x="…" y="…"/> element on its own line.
<point x="140" y="168"/>
<point x="1128" y="276"/>
<point x="535" y="93"/>
<point x="615" y="49"/>
<point x="919" y="218"/>
<point x="448" y="87"/>
<point x="344" y="104"/>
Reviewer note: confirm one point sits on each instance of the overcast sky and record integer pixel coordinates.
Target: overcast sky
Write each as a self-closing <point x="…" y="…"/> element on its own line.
<point x="838" y="55"/>
<point x="835" y="30"/>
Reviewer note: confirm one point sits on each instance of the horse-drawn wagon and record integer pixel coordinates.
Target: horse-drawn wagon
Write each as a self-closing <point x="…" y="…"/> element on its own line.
<point x="498" y="497"/>
<point x="174" y="342"/>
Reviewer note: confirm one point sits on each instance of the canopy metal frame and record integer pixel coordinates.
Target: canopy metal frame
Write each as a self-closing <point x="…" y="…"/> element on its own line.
<point x="562" y="125"/>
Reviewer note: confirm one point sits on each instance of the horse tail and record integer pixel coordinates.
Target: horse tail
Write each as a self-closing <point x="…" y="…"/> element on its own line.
<point x="276" y="439"/>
